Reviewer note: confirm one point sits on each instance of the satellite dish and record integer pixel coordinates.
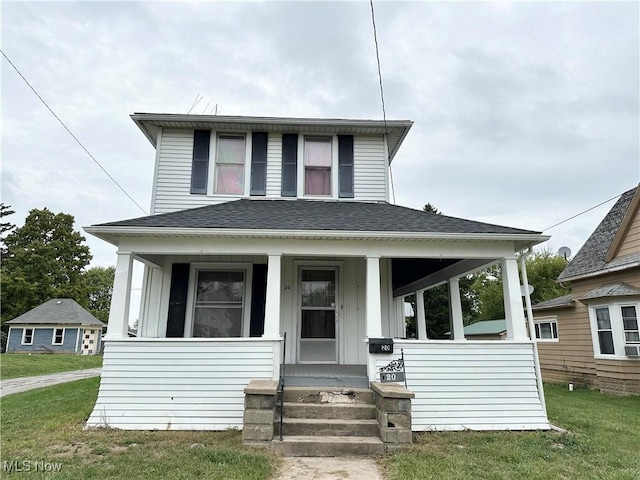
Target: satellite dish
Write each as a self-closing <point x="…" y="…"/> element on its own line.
<point x="529" y="287"/>
<point x="564" y="252"/>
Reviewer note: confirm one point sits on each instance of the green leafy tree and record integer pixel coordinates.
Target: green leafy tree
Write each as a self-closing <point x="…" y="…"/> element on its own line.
<point x="45" y="258"/>
<point x="98" y="282"/>
<point x="5" y="227"/>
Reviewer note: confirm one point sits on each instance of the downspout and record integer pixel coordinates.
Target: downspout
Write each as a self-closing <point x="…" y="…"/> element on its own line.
<point x="532" y="332"/>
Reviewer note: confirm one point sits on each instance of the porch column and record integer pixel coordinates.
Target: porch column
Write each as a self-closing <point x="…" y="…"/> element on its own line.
<point x="421" y="318"/>
<point x="272" y="303"/>
<point x="120" y="298"/>
<point x="455" y="309"/>
<point x="513" y="308"/>
<point x="374" y="304"/>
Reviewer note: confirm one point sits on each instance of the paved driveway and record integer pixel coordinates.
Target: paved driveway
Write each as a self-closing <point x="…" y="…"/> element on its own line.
<point x="22" y="384"/>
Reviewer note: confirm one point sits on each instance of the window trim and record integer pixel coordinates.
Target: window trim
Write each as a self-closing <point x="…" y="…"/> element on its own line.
<point x="334" y="167"/>
<point x="617" y="327"/>
<point x="196" y="267"/>
<point x="624" y="330"/>
<point x="553" y="321"/>
<point x="53" y="337"/>
<point x="24" y="334"/>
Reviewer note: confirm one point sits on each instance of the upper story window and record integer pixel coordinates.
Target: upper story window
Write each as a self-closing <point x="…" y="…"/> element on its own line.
<point x="317" y="166"/>
<point x="230" y="160"/>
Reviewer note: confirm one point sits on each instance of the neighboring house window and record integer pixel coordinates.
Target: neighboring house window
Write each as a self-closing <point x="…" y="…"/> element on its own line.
<point x="219" y="303"/>
<point x="317" y="166"/>
<point x="546" y="329"/>
<point x="230" y="160"/>
<point x="605" y="334"/>
<point x="27" y="336"/>
<point x="630" y="324"/>
<point x="58" y="336"/>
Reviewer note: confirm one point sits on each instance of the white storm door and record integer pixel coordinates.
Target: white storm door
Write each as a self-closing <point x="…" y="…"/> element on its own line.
<point x="317" y="342"/>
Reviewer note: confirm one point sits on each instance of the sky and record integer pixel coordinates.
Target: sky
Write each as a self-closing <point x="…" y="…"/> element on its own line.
<point x="526" y="113"/>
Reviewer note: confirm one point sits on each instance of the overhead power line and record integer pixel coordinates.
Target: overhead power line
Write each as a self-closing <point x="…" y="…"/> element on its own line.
<point x="581" y="213"/>
<point x="71" y="133"/>
<point x="384" y="112"/>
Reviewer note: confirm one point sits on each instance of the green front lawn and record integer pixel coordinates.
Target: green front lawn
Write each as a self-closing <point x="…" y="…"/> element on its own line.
<point x="603" y="442"/>
<point x="47" y="425"/>
<point x="13" y="365"/>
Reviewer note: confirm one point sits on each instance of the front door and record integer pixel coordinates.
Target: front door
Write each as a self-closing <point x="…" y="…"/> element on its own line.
<point x="317" y="314"/>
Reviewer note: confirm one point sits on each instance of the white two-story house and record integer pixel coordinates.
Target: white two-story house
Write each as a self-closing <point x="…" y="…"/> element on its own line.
<point x="262" y="227"/>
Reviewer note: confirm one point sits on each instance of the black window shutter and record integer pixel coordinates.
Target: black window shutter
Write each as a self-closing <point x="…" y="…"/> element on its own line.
<point x="178" y="299"/>
<point x="258" y="300"/>
<point x="259" y="163"/>
<point x="345" y="166"/>
<point x="290" y="165"/>
<point x="200" y="164"/>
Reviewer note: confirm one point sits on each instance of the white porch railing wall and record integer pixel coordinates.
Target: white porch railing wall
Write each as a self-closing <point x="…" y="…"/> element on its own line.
<point x="180" y="384"/>
<point x="479" y="385"/>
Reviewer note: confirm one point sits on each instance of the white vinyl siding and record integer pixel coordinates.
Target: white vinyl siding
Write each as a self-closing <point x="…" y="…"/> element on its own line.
<point x="274" y="165"/>
<point x="185" y="384"/>
<point x="482" y="385"/>
<point x="370" y="169"/>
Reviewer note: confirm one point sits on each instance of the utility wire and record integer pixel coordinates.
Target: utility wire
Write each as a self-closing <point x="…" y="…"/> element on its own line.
<point x="384" y="112"/>
<point x="581" y="213"/>
<point x="71" y="133"/>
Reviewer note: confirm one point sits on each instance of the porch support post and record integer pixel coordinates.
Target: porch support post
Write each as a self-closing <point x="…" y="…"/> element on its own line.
<point x="272" y="303"/>
<point x="513" y="308"/>
<point x="455" y="309"/>
<point x="120" y="298"/>
<point x="421" y="318"/>
<point x="374" y="304"/>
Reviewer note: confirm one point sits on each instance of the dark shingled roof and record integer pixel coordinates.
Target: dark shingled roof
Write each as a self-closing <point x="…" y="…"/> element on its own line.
<point x="591" y="257"/>
<point x="246" y="214"/>
<point x="612" y="290"/>
<point x="563" y="301"/>
<point x="58" y="311"/>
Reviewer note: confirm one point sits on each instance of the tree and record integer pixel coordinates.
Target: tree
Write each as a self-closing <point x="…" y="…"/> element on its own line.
<point x="431" y="209"/>
<point x="5" y="210"/>
<point x="45" y="258"/>
<point x="98" y="282"/>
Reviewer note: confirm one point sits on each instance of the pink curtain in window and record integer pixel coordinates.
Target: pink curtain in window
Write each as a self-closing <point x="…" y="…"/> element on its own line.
<point x="317" y="181"/>
<point x="317" y="153"/>
<point x="230" y="179"/>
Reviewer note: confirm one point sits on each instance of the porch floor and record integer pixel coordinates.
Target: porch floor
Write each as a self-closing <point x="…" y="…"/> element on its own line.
<point x="326" y="375"/>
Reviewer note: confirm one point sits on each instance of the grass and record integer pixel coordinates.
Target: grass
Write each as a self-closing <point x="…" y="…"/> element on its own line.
<point x="13" y="365"/>
<point x="47" y="425"/>
<point x="601" y="443"/>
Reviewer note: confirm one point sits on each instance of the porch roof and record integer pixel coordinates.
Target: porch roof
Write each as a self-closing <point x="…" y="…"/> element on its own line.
<point x="314" y="218"/>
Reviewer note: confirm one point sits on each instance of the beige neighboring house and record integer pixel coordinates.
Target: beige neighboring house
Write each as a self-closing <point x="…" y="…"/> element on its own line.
<point x="592" y="336"/>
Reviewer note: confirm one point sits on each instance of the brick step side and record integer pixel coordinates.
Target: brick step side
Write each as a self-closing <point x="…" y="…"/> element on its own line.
<point x="343" y="411"/>
<point x="324" y="427"/>
<point x="327" y="446"/>
<point x="335" y="394"/>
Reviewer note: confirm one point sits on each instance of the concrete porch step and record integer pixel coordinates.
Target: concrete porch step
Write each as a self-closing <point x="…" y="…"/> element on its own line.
<point x="331" y="427"/>
<point x="343" y="411"/>
<point x="327" y="395"/>
<point x="327" y="446"/>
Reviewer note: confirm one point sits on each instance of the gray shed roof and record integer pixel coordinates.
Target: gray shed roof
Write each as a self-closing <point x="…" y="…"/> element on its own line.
<point x="58" y="311"/>
<point x="249" y="214"/>
<point x="612" y="290"/>
<point x="558" y="302"/>
<point x="590" y="260"/>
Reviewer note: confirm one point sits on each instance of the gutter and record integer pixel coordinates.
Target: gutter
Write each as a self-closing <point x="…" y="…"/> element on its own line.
<point x="532" y="332"/>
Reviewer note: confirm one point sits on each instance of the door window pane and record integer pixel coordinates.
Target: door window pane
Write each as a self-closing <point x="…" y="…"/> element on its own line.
<point x="318" y="288"/>
<point x="318" y="324"/>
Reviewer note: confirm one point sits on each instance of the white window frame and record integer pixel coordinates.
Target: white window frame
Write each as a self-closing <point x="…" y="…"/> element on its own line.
<point x="617" y="328"/>
<point x="553" y="322"/>
<point x="213" y="161"/>
<point x="334" y="166"/>
<point x="53" y="337"/>
<point x="246" y="299"/>
<point x="24" y="334"/>
<point x="624" y="331"/>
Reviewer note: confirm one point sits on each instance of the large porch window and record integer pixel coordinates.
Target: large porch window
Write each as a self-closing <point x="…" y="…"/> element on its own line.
<point x="219" y="302"/>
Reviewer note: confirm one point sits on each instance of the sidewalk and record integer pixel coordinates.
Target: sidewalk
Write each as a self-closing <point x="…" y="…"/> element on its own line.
<point x="22" y="384"/>
<point x="329" y="468"/>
